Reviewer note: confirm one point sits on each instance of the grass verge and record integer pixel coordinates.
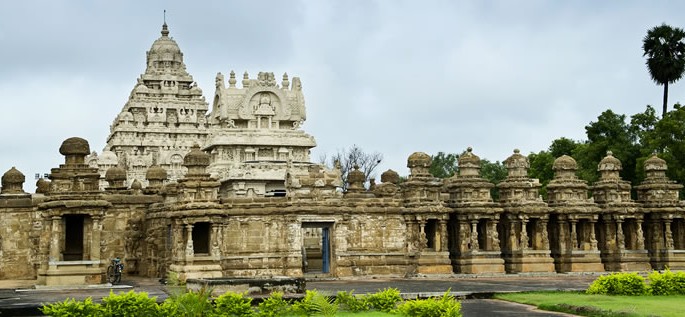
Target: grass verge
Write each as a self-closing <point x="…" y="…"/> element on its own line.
<point x="601" y="305"/>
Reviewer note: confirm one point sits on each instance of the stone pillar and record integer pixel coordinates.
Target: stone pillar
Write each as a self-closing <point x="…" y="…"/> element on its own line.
<point x="190" y="252"/>
<point x="55" y="238"/>
<point x="513" y="241"/>
<point x="668" y="235"/>
<point x="620" y="238"/>
<point x="574" y="235"/>
<point x="95" y="240"/>
<point x="215" y="251"/>
<point x="544" y="234"/>
<point x="563" y="237"/>
<point x="423" y="242"/>
<point x="443" y="236"/>
<point x="494" y="235"/>
<point x="524" y="234"/>
<point x="464" y="236"/>
<point x="593" y="237"/>
<point x="639" y="235"/>
<point x="474" y="235"/>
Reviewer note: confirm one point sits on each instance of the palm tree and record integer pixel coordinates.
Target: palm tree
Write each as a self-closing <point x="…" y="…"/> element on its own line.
<point x="665" y="50"/>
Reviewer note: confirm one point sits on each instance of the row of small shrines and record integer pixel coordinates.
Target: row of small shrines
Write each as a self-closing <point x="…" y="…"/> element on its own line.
<point x="69" y="229"/>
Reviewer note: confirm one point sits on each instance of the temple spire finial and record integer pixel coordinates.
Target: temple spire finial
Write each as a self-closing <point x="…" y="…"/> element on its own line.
<point x="165" y="29"/>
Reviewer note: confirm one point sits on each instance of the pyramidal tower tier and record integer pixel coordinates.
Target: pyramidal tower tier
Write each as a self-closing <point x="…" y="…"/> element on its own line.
<point x="163" y="118"/>
<point x="257" y="140"/>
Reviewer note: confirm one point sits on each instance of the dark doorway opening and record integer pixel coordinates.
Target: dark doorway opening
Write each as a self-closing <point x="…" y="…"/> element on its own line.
<point x="73" y="238"/>
<point x="201" y="238"/>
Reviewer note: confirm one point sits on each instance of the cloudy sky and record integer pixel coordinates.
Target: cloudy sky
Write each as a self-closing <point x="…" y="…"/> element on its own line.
<point x="390" y="76"/>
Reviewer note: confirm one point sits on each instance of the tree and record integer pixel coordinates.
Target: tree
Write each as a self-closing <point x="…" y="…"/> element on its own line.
<point x="354" y="156"/>
<point x="665" y="50"/>
<point x="443" y="165"/>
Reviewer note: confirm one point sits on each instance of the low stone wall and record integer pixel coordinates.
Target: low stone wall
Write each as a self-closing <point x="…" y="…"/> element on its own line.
<point x="250" y="286"/>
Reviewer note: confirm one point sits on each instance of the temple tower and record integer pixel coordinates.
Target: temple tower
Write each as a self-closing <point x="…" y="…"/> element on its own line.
<point x="163" y="117"/>
<point x="573" y="238"/>
<point x="475" y="244"/>
<point x="620" y="234"/>
<point x="665" y="224"/>
<point x="257" y="136"/>
<point x="525" y="238"/>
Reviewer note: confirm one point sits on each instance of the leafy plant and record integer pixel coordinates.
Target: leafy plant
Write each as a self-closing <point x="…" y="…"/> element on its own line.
<point x="667" y="283"/>
<point x="274" y="306"/>
<point x="130" y="304"/>
<point x="352" y="303"/>
<point x="618" y="284"/>
<point x="315" y="303"/>
<point x="385" y="300"/>
<point x="446" y="306"/>
<point x="234" y="305"/>
<point x="73" y="308"/>
<point x="188" y="304"/>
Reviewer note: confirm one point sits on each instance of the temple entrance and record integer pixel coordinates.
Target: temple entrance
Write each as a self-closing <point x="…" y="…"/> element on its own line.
<point x="201" y="238"/>
<point x="73" y="237"/>
<point x="316" y="247"/>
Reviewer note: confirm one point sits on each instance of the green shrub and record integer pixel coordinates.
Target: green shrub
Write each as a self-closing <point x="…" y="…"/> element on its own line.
<point x="188" y="304"/>
<point x="274" y="306"/>
<point x="667" y="283"/>
<point x="385" y="300"/>
<point x="315" y="303"/>
<point x="619" y="284"/>
<point x="446" y="306"/>
<point x="130" y="304"/>
<point x="234" y="305"/>
<point x="73" y="308"/>
<point x="351" y="302"/>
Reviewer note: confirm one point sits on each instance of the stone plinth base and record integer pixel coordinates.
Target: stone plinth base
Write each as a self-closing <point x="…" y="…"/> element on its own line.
<point x="579" y="261"/>
<point x="61" y="273"/>
<point x="270" y="264"/>
<point x="529" y="261"/>
<point x="252" y="286"/>
<point x="434" y="263"/>
<point x="627" y="261"/>
<point x="478" y="262"/>
<point x="348" y="264"/>
<point x="672" y="259"/>
<point x="196" y="271"/>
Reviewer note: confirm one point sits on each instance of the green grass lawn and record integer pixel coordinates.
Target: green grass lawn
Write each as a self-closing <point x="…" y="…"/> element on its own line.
<point x="664" y="306"/>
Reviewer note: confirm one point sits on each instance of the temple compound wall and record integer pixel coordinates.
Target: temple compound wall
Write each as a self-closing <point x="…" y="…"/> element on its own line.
<point x="67" y="231"/>
<point x="180" y="189"/>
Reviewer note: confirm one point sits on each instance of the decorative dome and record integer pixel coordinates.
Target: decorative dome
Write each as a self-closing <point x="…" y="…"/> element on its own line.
<point x="42" y="186"/>
<point x="108" y="158"/>
<point x="196" y="157"/>
<point x="609" y="163"/>
<point x="356" y="176"/>
<point x="390" y="176"/>
<point x="164" y="49"/>
<point x="469" y="158"/>
<point x="655" y="163"/>
<point x="12" y="182"/>
<point x="136" y="185"/>
<point x="115" y="173"/>
<point x="156" y="172"/>
<point x="564" y="162"/>
<point x="419" y="159"/>
<point x="516" y="160"/>
<point x="13" y="176"/>
<point x="74" y="146"/>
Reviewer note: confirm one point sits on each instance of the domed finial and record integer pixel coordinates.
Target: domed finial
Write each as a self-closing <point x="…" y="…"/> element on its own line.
<point x="165" y="30"/>
<point x="609" y="153"/>
<point x="517" y="151"/>
<point x="469" y="149"/>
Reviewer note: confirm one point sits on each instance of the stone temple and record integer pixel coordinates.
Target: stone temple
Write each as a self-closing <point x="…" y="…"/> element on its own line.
<point x="229" y="191"/>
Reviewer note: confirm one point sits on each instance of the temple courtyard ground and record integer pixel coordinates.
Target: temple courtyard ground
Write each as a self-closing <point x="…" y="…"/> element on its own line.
<point x="19" y="298"/>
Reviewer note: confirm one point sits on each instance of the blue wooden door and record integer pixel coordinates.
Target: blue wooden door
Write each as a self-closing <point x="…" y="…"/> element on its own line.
<point x="325" y="250"/>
